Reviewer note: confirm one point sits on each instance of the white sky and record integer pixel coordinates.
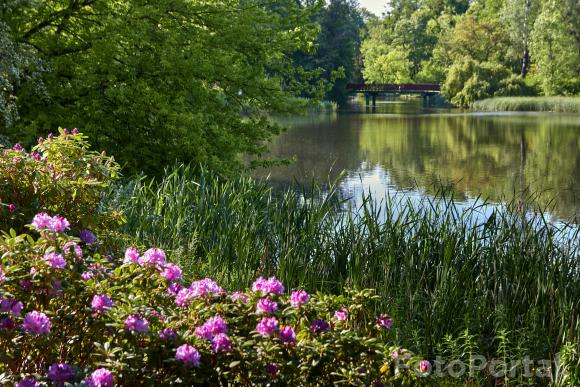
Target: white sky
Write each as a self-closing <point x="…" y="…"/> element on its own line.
<point x="375" y="6"/>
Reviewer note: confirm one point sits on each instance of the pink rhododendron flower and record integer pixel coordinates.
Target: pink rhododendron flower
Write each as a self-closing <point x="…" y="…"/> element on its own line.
<point x="167" y="334"/>
<point x="87" y="275"/>
<point x="60" y="373"/>
<point x="100" y="378"/>
<point x="188" y="355"/>
<point x="287" y="334"/>
<point x="12" y="208"/>
<point x="171" y="272"/>
<point x="299" y="297"/>
<point x="424" y="366"/>
<point x="11" y="306"/>
<point x="36" y="323"/>
<point x="174" y="288"/>
<point x="265" y="306"/>
<point x="17" y="147"/>
<point x="2" y="275"/>
<point x="137" y="324"/>
<point x="384" y="321"/>
<point x="239" y="296"/>
<point x="268" y="326"/>
<point x="270" y="285"/>
<point x="152" y="257"/>
<point x="341" y="314"/>
<point x="54" y="260"/>
<point x="59" y="224"/>
<point x="41" y="221"/>
<point x="221" y="343"/>
<point x="205" y="288"/>
<point x="76" y="248"/>
<point x="131" y="255"/>
<point x="184" y="297"/>
<point x="213" y="326"/>
<point x="101" y="303"/>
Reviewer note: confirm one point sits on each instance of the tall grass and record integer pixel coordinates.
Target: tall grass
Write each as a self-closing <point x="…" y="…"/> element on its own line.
<point x="532" y="104"/>
<point x="439" y="271"/>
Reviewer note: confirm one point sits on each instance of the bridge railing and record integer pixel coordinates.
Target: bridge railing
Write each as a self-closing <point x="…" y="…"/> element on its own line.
<point x="386" y="87"/>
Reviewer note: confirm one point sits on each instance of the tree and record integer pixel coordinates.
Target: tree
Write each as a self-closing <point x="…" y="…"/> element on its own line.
<point x="153" y="81"/>
<point x="390" y="67"/>
<point x="555" y="49"/>
<point x="518" y="16"/>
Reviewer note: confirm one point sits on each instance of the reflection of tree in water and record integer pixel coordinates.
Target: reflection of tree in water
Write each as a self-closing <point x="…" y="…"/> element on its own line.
<point x="495" y="156"/>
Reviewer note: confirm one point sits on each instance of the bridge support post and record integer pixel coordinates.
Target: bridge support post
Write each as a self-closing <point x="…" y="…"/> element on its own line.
<point x="368" y="99"/>
<point x="374" y="100"/>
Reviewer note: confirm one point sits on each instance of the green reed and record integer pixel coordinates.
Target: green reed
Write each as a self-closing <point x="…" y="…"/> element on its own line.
<point x="439" y="271"/>
<point x="537" y="104"/>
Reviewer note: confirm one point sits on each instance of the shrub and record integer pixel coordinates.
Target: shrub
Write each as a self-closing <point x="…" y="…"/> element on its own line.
<point x="60" y="175"/>
<point x="70" y="314"/>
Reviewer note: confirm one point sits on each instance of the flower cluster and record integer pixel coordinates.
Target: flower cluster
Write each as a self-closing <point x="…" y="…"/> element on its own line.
<point x="266" y="286"/>
<point x="43" y="221"/>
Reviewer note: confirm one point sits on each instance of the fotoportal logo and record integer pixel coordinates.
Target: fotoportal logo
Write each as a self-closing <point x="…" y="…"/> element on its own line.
<point x="478" y="365"/>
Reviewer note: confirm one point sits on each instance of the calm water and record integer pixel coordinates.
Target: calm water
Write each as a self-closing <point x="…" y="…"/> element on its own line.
<point x="405" y="149"/>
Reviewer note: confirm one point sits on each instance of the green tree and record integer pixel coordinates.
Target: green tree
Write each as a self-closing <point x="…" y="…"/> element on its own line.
<point x="390" y="67"/>
<point x="154" y="81"/>
<point x="555" y="48"/>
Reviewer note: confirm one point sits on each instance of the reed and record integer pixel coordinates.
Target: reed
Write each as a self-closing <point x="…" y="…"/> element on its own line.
<point x="439" y="271"/>
<point x="532" y="104"/>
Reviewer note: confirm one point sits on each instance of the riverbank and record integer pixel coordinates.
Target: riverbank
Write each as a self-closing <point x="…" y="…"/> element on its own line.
<point x="532" y="104"/>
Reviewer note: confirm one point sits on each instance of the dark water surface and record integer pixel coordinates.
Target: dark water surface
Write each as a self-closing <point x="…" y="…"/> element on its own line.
<point x="404" y="148"/>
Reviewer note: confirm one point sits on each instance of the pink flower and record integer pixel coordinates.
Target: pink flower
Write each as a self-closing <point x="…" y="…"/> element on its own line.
<point x="188" y="355"/>
<point x="384" y="321"/>
<point x="171" y="272"/>
<point x="76" y="248"/>
<point x="101" y="303"/>
<point x="287" y="334"/>
<point x="424" y="366"/>
<point x="395" y="354"/>
<point x="213" y="326"/>
<point x="12" y="306"/>
<point x="41" y="221"/>
<point x="319" y="326"/>
<point x="341" y="314"/>
<point x="239" y="296"/>
<point x="59" y="224"/>
<point x="221" y="343"/>
<point x="265" y="306"/>
<point x="174" y="288"/>
<point x="299" y="297"/>
<point x="36" y="323"/>
<point x="2" y="275"/>
<point x="54" y="260"/>
<point x="87" y="275"/>
<point x="167" y="334"/>
<point x="137" y="324"/>
<point x="12" y="208"/>
<point x="131" y="255"/>
<point x="268" y="326"/>
<point x="184" y="297"/>
<point x="35" y="156"/>
<point x="18" y="147"/>
<point x="100" y="378"/>
<point x="205" y="288"/>
<point x="270" y="285"/>
<point x="152" y="257"/>
<point x="60" y="373"/>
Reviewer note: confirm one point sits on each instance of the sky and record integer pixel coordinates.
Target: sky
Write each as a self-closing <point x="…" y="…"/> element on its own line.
<point x="375" y="6"/>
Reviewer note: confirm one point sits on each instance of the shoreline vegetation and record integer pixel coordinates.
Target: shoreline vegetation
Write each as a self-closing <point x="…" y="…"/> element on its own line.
<point x="528" y="104"/>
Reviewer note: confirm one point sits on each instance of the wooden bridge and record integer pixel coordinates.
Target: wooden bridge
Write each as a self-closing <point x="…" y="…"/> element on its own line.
<point x="371" y="90"/>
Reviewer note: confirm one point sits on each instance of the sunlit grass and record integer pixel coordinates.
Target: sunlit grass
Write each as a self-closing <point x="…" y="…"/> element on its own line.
<point x="540" y="104"/>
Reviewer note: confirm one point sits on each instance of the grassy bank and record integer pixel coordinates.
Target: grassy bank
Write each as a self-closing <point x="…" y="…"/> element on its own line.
<point x="504" y="286"/>
<point x="532" y="104"/>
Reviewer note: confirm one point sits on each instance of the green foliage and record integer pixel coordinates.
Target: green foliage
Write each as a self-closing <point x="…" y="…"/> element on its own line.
<point x="555" y="48"/>
<point x="392" y="67"/>
<point x="156" y="81"/>
<point x="60" y="175"/>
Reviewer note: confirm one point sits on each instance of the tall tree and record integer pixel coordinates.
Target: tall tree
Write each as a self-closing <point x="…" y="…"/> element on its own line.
<point x="154" y="81"/>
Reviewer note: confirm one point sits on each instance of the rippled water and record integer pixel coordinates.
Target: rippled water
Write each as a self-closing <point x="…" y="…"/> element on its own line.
<point x="404" y="148"/>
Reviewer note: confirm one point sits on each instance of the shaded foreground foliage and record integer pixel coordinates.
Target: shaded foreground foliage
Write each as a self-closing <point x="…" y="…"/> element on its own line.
<point x="443" y="273"/>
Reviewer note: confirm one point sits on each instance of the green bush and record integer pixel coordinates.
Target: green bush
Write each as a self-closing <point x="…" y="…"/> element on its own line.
<point x="60" y="175"/>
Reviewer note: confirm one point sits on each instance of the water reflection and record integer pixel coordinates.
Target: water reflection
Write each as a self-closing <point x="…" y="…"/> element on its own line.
<point x="490" y="155"/>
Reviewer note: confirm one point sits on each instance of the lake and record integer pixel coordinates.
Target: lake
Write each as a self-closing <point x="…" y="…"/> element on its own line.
<point x="404" y="148"/>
